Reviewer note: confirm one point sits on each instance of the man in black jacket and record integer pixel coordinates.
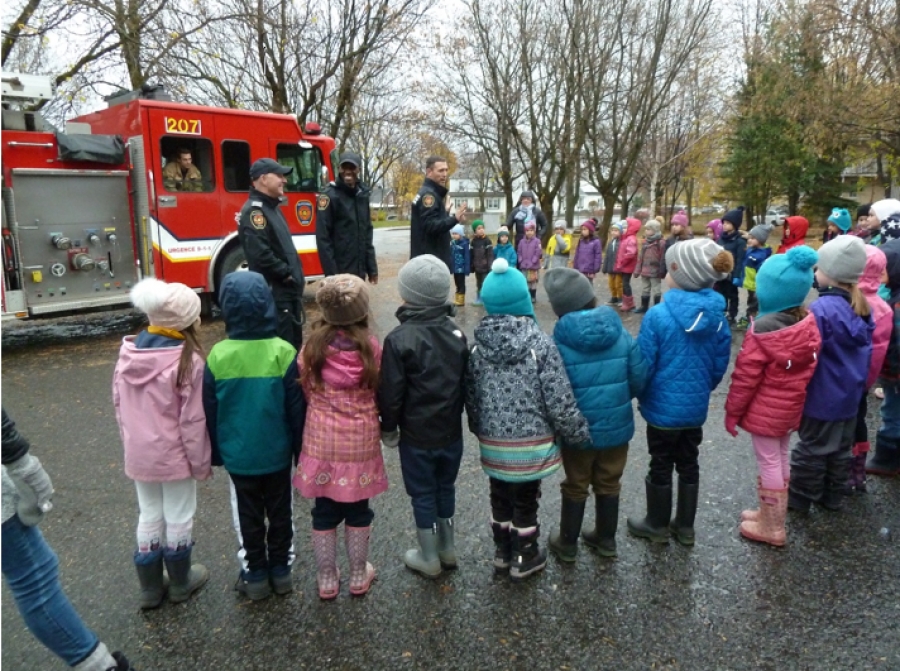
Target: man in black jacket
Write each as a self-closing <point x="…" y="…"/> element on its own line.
<point x="524" y="212"/>
<point x="430" y="220"/>
<point x="423" y="366"/>
<point x="269" y="247"/>
<point x="344" y="224"/>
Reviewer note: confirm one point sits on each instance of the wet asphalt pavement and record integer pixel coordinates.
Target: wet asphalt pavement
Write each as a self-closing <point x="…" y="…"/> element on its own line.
<point x="830" y="600"/>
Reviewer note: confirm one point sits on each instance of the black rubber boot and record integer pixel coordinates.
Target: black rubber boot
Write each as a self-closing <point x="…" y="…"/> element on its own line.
<point x="885" y="458"/>
<point x="657" y="299"/>
<point x="655" y="526"/>
<point x="184" y="578"/>
<point x="528" y="556"/>
<point x="502" y="545"/>
<point x="645" y="305"/>
<point x="603" y="537"/>
<point x="149" y="567"/>
<point x="564" y="540"/>
<point x="682" y="526"/>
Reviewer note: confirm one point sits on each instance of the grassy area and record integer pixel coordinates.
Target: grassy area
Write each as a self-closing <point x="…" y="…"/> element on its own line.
<point x="390" y="224"/>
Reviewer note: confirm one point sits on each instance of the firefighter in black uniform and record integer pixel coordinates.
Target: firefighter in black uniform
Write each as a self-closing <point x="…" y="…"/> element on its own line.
<point x="269" y="248"/>
<point x="344" y="224"/>
<point x="430" y="222"/>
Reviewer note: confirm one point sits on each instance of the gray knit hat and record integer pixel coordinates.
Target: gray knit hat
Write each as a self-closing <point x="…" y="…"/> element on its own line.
<point x="652" y="225"/>
<point x="568" y="290"/>
<point x="424" y="281"/>
<point x="698" y="264"/>
<point x="843" y="259"/>
<point x="761" y="232"/>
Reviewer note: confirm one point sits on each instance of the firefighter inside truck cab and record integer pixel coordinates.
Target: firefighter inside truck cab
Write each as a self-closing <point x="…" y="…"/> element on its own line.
<point x="269" y="247"/>
<point x="180" y="173"/>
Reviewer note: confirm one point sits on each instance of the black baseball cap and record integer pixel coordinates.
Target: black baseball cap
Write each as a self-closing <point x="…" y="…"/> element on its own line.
<point x="351" y="158"/>
<point x="264" y="166"/>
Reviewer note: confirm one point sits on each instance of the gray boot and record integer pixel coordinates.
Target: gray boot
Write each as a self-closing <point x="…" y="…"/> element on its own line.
<point x="149" y="567"/>
<point x="425" y="560"/>
<point x="184" y="579"/>
<point x="446" y="547"/>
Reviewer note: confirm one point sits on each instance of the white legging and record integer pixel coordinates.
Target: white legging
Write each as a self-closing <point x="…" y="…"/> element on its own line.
<point x="166" y="507"/>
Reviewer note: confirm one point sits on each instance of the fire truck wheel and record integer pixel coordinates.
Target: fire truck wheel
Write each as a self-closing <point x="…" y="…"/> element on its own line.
<point x="233" y="261"/>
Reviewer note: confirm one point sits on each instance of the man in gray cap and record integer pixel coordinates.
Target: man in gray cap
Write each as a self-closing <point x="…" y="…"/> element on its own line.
<point x="344" y="224"/>
<point x="269" y="247"/>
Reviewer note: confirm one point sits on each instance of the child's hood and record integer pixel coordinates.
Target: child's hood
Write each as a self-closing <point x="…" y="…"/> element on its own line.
<point x="632" y="228"/>
<point x="589" y="330"/>
<point x="797" y="227"/>
<point x="247" y="306"/>
<point x="794" y="345"/>
<point x="139" y="367"/>
<point x="700" y="312"/>
<point x="507" y="339"/>
<point x="343" y="367"/>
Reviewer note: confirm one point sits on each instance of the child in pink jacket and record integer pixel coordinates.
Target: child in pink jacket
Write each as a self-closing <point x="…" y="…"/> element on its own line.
<point x="626" y="261"/>
<point x="158" y="398"/>
<point x="873" y="277"/>
<point x="768" y="385"/>
<point x="341" y="465"/>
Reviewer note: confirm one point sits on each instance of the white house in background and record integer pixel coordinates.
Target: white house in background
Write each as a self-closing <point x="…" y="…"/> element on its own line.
<point x="861" y="183"/>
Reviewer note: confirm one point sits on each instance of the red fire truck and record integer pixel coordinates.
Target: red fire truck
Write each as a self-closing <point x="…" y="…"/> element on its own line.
<point x="89" y="211"/>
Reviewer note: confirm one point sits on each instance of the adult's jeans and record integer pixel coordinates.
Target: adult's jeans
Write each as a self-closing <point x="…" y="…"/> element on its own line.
<point x="31" y="570"/>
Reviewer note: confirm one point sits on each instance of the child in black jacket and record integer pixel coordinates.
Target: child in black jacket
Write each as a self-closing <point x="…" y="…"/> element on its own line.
<point x="420" y="398"/>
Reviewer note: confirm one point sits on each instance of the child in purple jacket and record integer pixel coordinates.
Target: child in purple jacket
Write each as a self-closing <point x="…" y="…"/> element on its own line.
<point x="589" y="253"/>
<point x="530" y="252"/>
<point x="820" y="461"/>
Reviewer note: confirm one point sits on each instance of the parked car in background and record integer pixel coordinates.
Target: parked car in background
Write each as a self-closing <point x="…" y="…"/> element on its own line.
<point x="774" y="216"/>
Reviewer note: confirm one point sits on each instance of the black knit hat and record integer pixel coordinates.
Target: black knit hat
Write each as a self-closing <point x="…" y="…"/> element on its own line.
<point x="734" y="217"/>
<point x="863" y="211"/>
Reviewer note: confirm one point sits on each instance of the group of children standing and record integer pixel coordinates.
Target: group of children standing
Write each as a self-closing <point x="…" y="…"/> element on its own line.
<point x="317" y="419"/>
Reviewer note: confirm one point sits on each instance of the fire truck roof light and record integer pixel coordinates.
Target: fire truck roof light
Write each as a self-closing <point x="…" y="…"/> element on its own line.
<point x="312" y="128"/>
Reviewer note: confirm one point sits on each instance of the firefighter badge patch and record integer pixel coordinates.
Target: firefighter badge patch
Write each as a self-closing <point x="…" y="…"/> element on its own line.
<point x="258" y="219"/>
<point x="428" y="200"/>
<point x="323" y="201"/>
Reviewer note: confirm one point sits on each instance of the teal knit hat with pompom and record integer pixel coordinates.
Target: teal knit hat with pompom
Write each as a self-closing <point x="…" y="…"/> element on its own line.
<point x="784" y="280"/>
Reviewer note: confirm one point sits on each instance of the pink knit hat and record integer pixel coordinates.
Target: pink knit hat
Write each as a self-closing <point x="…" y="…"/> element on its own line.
<point x="588" y="224"/>
<point x="680" y="218"/>
<point x="172" y="306"/>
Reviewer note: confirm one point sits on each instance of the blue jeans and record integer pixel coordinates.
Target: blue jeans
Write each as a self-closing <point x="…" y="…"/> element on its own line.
<point x="430" y="479"/>
<point x="31" y="570"/>
<point x="890" y="413"/>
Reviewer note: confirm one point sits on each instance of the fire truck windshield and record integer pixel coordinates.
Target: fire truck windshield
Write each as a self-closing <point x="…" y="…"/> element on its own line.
<point x="307" y="164"/>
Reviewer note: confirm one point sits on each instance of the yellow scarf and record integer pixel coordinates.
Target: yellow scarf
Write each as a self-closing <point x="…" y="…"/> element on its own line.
<point x="168" y="333"/>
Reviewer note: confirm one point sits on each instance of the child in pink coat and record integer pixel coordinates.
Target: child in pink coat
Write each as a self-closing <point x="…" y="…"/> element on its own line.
<point x="873" y="277"/>
<point x="341" y="465"/>
<point x="768" y="385"/>
<point x="158" y="398"/>
<point x="626" y="261"/>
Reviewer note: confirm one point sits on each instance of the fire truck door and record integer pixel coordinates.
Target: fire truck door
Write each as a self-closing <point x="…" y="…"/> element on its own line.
<point x="186" y="185"/>
<point x="302" y="190"/>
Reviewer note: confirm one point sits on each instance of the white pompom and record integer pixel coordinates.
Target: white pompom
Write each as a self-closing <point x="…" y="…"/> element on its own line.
<point x="500" y="266"/>
<point x="149" y="295"/>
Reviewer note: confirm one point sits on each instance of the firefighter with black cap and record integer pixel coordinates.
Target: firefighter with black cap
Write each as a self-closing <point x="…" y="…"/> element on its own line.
<point x="344" y="224"/>
<point x="269" y="247"/>
<point x="430" y="214"/>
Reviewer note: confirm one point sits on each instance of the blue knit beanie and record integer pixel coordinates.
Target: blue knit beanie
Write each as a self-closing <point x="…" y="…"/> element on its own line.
<point x="840" y="218"/>
<point x="784" y="280"/>
<point x="505" y="291"/>
<point x="459" y="229"/>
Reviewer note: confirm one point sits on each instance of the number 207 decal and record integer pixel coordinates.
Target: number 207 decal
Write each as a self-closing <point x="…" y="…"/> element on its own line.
<point x="182" y="126"/>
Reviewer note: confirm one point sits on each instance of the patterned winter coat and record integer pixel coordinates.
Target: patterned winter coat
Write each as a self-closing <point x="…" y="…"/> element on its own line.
<point x="588" y="256"/>
<point x="341" y="457"/>
<point x="513" y="359"/>
<point x="626" y="259"/>
<point x="687" y="343"/>
<point x="606" y="369"/>
<point x="652" y="259"/>
<point x="460" y="257"/>
<point x="768" y="385"/>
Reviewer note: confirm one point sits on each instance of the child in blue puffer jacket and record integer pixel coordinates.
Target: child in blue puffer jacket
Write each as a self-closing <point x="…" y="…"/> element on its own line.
<point x="686" y="342"/>
<point x="607" y="370"/>
<point x="461" y="256"/>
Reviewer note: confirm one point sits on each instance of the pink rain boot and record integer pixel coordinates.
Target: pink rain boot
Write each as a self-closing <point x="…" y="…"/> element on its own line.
<point x="328" y="577"/>
<point x="769" y="528"/>
<point x="362" y="573"/>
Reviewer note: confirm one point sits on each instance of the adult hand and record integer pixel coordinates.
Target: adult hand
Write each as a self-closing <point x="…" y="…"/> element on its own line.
<point x="373" y="279"/>
<point x="288" y="281"/>
<point x="461" y="212"/>
<point x="28" y="473"/>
